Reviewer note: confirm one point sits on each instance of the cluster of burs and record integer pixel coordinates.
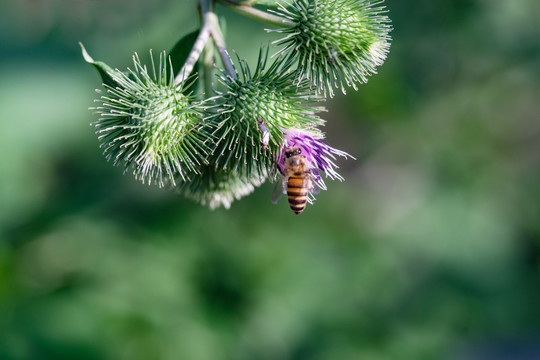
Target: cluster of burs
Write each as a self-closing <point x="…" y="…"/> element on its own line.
<point x="203" y="122"/>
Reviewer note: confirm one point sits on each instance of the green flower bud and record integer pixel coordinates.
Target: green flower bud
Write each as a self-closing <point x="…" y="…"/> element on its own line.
<point x="149" y="125"/>
<point x="251" y="114"/>
<point x="335" y="43"/>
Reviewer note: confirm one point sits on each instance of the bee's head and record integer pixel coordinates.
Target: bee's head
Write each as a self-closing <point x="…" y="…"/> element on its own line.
<point x="291" y="151"/>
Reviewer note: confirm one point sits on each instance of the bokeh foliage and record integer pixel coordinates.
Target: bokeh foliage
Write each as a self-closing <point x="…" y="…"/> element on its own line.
<point x="429" y="250"/>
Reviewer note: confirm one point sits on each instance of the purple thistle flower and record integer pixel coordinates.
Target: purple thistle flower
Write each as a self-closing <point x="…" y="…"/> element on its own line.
<point x="319" y="156"/>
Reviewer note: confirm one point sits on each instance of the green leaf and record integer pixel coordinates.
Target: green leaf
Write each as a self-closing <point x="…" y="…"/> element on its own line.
<point x="181" y="49"/>
<point x="104" y="70"/>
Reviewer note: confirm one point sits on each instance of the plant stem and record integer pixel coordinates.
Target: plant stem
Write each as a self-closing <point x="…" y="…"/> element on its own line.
<point x="195" y="53"/>
<point x="210" y="29"/>
<point x="219" y="40"/>
<point x="208" y="73"/>
<point x="258" y="14"/>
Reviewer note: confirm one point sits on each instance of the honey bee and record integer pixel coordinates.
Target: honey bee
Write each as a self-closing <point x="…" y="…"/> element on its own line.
<point x="297" y="180"/>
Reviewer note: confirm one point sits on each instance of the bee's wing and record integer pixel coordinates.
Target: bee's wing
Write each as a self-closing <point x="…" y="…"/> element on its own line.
<point x="279" y="190"/>
<point x="316" y="183"/>
<point x="315" y="187"/>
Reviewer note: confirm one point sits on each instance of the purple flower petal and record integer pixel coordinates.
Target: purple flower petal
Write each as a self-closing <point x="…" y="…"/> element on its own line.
<point x="319" y="155"/>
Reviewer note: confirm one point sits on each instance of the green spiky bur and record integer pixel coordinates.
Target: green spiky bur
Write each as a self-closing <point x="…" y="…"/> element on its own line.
<point x="146" y="123"/>
<point x="215" y="187"/>
<point x="221" y="148"/>
<point x="266" y="94"/>
<point x="240" y="161"/>
<point x="335" y="43"/>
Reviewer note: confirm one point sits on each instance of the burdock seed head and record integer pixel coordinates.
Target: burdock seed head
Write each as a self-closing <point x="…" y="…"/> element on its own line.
<point x="149" y="125"/>
<point x="334" y="43"/>
<point x="250" y="113"/>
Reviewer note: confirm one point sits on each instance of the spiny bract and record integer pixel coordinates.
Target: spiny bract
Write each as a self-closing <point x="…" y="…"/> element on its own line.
<point x="266" y="95"/>
<point x="148" y="124"/>
<point x="215" y="187"/>
<point x="334" y="43"/>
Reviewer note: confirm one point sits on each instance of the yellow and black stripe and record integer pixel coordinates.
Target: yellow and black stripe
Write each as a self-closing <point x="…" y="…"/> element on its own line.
<point x="297" y="192"/>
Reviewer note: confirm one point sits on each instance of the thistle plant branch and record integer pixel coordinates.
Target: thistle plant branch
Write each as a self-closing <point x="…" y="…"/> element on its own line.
<point x="218" y="149"/>
<point x="210" y="29"/>
<point x="208" y="73"/>
<point x="257" y="14"/>
<point x="194" y="55"/>
<point x="219" y="41"/>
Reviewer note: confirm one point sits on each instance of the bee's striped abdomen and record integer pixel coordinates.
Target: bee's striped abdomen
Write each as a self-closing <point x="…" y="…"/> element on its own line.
<point x="297" y="192"/>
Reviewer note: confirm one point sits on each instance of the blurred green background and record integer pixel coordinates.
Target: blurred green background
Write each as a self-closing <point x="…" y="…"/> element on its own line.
<point x="429" y="250"/>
